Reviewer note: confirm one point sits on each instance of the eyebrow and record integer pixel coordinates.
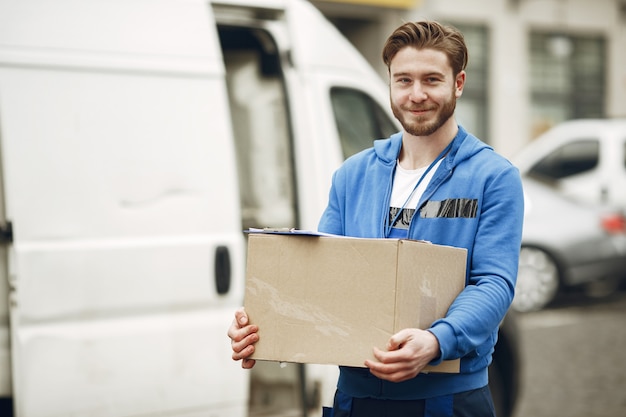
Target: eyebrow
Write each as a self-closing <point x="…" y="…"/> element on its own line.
<point x="410" y="74"/>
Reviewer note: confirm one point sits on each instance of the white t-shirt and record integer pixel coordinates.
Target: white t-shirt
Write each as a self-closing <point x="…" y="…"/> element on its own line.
<point x="404" y="182"/>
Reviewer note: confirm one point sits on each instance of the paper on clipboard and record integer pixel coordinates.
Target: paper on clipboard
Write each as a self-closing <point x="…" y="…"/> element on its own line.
<point x="288" y="231"/>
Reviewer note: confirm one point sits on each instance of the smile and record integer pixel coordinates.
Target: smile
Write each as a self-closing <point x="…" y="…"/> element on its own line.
<point x="419" y="112"/>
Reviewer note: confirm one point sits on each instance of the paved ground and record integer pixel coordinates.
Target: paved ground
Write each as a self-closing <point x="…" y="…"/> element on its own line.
<point x="575" y="359"/>
<point x="574" y="362"/>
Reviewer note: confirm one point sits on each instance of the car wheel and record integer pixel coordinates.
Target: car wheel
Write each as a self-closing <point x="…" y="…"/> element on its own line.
<point x="537" y="280"/>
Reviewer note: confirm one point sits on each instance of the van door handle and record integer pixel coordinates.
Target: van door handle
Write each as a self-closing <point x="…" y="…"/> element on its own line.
<point x="222" y="270"/>
<point x="604" y="194"/>
<point x="6" y="233"/>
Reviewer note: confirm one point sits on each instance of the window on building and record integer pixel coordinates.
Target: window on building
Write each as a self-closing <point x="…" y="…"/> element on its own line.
<point x="472" y="108"/>
<point x="567" y="78"/>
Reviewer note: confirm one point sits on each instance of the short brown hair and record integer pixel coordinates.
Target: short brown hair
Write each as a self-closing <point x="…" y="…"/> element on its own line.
<point x="431" y="35"/>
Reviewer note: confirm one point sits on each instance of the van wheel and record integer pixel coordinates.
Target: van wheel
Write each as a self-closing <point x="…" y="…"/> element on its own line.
<point x="537" y="280"/>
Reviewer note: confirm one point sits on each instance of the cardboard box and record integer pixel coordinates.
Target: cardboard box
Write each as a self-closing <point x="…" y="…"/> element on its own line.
<point x="330" y="300"/>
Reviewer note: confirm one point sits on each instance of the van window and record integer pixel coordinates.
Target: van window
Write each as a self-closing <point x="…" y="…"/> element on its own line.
<point x="570" y="159"/>
<point x="261" y="127"/>
<point x="360" y="120"/>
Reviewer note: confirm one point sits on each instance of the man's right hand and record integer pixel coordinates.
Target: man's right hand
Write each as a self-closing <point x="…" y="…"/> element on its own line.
<point x="243" y="336"/>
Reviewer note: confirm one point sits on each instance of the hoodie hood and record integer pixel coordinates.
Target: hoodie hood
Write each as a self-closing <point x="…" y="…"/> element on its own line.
<point x="464" y="146"/>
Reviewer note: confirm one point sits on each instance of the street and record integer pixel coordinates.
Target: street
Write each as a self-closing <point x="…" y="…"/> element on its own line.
<point x="574" y="359"/>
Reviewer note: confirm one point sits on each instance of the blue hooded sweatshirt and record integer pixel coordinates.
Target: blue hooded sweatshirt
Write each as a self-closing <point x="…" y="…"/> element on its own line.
<point x="474" y="201"/>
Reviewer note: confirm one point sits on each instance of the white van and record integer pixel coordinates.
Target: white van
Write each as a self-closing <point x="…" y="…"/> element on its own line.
<point x="138" y="139"/>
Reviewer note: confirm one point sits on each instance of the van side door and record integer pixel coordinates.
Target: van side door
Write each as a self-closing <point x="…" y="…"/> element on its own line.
<point x="119" y="179"/>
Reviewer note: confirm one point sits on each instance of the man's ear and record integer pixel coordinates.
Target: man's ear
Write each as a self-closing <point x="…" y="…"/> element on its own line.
<point x="459" y="84"/>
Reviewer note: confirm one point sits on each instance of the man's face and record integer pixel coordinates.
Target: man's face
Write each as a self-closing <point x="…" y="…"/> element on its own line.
<point x="423" y="89"/>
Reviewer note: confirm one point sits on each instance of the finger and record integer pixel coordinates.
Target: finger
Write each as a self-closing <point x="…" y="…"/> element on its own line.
<point x="393" y="371"/>
<point x="239" y="322"/>
<point x="390" y="372"/>
<point x="236" y="333"/>
<point x="397" y="340"/>
<point x="388" y="357"/>
<point x="241" y="317"/>
<point x="384" y="365"/>
<point x="243" y="353"/>
<point x="380" y="355"/>
<point x="247" y="363"/>
<point x="238" y="345"/>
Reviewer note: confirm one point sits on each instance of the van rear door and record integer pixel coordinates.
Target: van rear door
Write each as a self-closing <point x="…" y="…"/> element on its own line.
<point x="120" y="182"/>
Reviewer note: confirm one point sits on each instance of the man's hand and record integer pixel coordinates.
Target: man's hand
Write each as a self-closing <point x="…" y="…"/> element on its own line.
<point x="408" y="352"/>
<point x="243" y="336"/>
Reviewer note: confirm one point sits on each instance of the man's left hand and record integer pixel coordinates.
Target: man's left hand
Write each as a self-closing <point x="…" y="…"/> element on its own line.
<point x="408" y="352"/>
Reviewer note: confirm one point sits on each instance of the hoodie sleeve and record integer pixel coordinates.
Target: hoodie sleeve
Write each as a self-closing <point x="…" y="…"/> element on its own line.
<point x="331" y="220"/>
<point x="470" y="326"/>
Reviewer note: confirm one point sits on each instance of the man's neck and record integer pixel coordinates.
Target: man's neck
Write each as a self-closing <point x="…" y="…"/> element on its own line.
<point x="420" y="151"/>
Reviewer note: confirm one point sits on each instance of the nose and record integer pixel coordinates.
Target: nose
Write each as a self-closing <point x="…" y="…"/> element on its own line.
<point x="417" y="93"/>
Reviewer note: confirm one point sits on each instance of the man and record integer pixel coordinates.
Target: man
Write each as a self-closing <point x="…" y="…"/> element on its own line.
<point x="432" y="181"/>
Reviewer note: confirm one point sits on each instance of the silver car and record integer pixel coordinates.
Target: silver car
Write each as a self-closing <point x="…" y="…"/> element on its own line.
<point x="585" y="159"/>
<point x="566" y="244"/>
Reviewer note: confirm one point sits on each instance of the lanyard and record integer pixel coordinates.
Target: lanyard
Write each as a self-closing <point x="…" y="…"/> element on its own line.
<point x="389" y="225"/>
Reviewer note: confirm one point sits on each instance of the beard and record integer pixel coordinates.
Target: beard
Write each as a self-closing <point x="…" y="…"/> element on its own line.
<point x="424" y="125"/>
